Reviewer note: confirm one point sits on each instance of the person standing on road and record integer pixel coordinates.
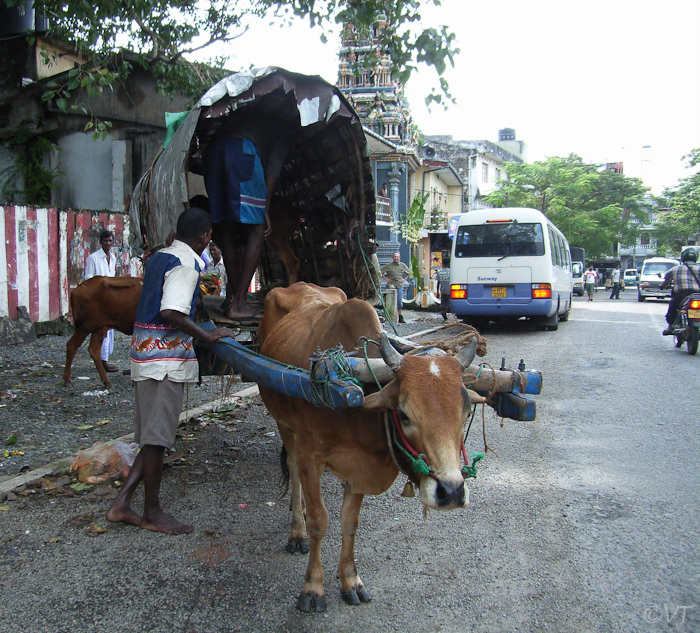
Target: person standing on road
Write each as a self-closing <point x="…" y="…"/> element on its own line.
<point x="395" y="273"/>
<point x="589" y="280"/>
<point x="104" y="262"/>
<point x="615" y="294"/>
<point x="443" y="279"/>
<point x="686" y="280"/>
<point x="162" y="361"/>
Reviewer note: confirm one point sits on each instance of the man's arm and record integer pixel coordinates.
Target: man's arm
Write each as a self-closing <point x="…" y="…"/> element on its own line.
<point x="668" y="278"/>
<point x="185" y="325"/>
<point x="90" y="267"/>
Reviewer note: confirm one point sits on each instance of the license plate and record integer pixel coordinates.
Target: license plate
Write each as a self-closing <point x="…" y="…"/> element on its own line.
<point x="499" y="292"/>
<point x="694" y="314"/>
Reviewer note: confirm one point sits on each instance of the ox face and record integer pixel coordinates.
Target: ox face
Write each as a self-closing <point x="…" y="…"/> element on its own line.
<point x="432" y="406"/>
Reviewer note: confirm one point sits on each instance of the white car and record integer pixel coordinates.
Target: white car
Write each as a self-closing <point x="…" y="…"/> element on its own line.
<point x="630" y="277"/>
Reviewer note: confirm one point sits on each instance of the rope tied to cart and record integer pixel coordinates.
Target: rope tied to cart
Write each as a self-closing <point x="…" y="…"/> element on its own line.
<point x="338" y="359"/>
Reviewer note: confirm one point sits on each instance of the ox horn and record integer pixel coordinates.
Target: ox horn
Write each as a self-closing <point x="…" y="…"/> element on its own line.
<point x="382" y="369"/>
<point x="466" y="356"/>
<point x="391" y="357"/>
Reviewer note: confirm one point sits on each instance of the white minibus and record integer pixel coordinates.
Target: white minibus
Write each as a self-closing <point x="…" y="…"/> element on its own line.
<point x="508" y="264"/>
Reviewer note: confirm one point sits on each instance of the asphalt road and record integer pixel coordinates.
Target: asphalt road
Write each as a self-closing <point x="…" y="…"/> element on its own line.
<point x="583" y="520"/>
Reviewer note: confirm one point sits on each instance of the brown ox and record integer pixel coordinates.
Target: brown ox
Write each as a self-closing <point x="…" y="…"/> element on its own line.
<point x="100" y="304"/>
<point x="427" y="393"/>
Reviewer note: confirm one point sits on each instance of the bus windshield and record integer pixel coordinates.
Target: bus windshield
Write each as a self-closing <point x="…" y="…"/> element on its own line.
<point x="504" y="239"/>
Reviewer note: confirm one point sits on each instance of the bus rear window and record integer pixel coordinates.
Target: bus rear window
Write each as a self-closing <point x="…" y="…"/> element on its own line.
<point x="499" y="240"/>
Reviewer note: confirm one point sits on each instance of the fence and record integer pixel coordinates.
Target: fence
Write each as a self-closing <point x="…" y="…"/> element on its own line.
<point x="44" y="256"/>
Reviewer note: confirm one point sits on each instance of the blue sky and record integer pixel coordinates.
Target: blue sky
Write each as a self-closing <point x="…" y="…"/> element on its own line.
<point x="610" y="81"/>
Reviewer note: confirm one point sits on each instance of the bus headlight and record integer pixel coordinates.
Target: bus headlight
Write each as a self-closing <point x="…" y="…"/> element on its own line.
<point x="541" y="291"/>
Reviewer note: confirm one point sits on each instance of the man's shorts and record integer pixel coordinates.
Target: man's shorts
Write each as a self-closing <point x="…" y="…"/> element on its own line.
<point x="157" y="408"/>
<point x="235" y="181"/>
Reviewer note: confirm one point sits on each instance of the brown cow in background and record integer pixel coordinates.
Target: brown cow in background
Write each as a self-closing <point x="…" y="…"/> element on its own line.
<point x="100" y="304"/>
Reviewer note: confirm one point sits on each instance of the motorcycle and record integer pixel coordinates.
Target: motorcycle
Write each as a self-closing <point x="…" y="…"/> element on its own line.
<point x="687" y="324"/>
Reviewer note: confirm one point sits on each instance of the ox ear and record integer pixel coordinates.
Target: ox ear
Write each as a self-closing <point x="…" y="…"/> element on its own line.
<point x="387" y="398"/>
<point x="474" y="397"/>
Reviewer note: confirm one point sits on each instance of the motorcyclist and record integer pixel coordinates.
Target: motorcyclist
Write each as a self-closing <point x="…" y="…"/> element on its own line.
<point x="686" y="280"/>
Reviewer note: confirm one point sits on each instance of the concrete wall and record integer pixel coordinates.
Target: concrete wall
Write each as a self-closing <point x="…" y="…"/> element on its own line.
<point x="85" y="172"/>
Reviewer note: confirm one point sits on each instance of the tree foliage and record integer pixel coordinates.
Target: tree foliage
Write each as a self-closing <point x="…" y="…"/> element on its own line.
<point x="164" y="34"/>
<point x="592" y="206"/>
<point x="29" y="176"/>
<point x="682" y="222"/>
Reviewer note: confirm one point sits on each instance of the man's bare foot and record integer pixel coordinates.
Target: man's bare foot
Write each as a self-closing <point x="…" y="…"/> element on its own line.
<point x="245" y="313"/>
<point x="162" y="522"/>
<point x="118" y="514"/>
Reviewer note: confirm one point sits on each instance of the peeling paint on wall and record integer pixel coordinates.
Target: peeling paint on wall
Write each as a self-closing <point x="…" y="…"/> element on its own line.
<point x="44" y="255"/>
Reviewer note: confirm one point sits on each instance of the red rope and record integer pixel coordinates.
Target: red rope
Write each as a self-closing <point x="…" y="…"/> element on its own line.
<point x="413" y="452"/>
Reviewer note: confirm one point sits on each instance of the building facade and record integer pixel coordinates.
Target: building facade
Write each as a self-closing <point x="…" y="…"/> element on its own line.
<point x="480" y="163"/>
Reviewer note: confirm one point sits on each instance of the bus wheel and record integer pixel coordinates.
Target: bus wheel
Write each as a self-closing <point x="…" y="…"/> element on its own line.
<point x="479" y="324"/>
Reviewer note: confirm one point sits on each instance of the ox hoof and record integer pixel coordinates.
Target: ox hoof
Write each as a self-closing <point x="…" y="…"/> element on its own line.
<point x="354" y="597"/>
<point x="300" y="545"/>
<point x="308" y="602"/>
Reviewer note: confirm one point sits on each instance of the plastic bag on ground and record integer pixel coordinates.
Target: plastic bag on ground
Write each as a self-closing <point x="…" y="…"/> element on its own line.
<point x="102" y="462"/>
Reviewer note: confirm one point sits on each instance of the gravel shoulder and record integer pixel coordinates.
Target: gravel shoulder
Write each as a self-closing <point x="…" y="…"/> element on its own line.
<point x="584" y="520"/>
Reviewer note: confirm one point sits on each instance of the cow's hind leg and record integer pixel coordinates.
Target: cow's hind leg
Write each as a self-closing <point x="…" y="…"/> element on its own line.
<point x="313" y="596"/>
<point x="298" y="537"/>
<point x="352" y="588"/>
<point x="94" y="348"/>
<point x="72" y="347"/>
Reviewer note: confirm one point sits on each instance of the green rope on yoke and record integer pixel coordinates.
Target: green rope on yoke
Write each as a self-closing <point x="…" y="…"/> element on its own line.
<point x="320" y="389"/>
<point x="469" y="472"/>
<point x="369" y="366"/>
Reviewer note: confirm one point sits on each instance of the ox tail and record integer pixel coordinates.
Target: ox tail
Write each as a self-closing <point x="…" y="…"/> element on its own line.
<point x="77" y="321"/>
<point x="284" y="476"/>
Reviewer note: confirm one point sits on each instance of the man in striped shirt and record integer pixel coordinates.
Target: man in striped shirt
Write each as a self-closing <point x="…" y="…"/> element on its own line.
<point x="686" y="280"/>
<point x="162" y="361"/>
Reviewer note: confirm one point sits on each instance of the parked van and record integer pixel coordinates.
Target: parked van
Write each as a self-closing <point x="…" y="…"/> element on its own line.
<point x="652" y="274"/>
<point x="629" y="277"/>
<point x="578" y="266"/>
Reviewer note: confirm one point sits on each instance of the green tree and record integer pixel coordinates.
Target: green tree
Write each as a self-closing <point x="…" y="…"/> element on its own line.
<point x="682" y="222"/>
<point x="164" y="33"/>
<point x="592" y="206"/>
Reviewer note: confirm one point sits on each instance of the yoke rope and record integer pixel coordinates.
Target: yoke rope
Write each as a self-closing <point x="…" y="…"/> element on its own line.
<point x="320" y="392"/>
